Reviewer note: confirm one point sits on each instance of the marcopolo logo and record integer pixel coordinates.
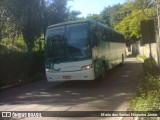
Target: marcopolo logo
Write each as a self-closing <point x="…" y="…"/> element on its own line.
<point x="56" y="67"/>
<point x="6" y="114"/>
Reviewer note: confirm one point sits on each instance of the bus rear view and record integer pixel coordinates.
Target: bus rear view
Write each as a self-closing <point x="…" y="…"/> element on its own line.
<point x="68" y="52"/>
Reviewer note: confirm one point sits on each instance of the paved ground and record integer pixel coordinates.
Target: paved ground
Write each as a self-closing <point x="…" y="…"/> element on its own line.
<point x="111" y="94"/>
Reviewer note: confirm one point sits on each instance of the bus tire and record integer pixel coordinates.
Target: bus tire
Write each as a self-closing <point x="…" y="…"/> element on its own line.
<point x="103" y="74"/>
<point x="122" y="60"/>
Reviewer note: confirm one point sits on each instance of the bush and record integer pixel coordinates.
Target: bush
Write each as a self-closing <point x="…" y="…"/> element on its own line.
<point x="20" y="66"/>
<point x="148" y="93"/>
<point x="3" y="49"/>
<point x="17" y="45"/>
<point x="142" y="57"/>
<point x="150" y="67"/>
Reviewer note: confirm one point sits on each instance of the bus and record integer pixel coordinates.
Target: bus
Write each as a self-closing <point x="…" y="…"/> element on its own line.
<point x="82" y="50"/>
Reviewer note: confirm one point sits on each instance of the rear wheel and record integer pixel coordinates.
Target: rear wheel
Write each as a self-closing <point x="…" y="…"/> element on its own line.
<point x="103" y="74"/>
<point x="122" y="59"/>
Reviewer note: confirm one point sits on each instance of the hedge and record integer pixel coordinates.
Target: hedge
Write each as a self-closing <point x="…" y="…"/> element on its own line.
<point x="16" y="67"/>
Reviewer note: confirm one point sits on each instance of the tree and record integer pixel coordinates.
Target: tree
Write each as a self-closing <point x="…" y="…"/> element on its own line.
<point x="111" y="15"/>
<point x="96" y="17"/>
<point x="31" y="17"/>
<point x="72" y="15"/>
<point x="56" y="11"/>
<point x="3" y="17"/>
<point x="31" y="24"/>
<point x="130" y="25"/>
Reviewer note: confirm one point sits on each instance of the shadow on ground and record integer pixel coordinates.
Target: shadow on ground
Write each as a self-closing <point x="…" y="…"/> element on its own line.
<point x="111" y="93"/>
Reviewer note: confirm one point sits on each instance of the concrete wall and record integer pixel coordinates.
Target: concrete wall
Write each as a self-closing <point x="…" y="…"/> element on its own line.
<point x="145" y="50"/>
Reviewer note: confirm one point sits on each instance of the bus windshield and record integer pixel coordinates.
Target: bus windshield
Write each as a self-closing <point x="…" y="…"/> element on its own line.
<point x="67" y="42"/>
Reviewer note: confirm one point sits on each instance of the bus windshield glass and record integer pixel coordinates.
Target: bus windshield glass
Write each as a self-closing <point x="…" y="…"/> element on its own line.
<point x="68" y="42"/>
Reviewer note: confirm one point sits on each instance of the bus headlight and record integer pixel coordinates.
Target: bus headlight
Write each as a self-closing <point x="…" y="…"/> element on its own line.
<point x="86" y="67"/>
<point x="48" y="70"/>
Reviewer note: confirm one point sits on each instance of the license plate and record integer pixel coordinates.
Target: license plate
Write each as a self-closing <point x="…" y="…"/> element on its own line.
<point x="67" y="77"/>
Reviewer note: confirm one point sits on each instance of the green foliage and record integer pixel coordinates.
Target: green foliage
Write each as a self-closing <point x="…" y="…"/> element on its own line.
<point x="20" y="67"/>
<point x="95" y="17"/>
<point x="115" y="14"/>
<point x="112" y="15"/>
<point x="130" y="25"/>
<point x="38" y="76"/>
<point x="126" y="18"/>
<point x="3" y="17"/>
<point x="30" y="18"/>
<point x="18" y="45"/>
<point x="3" y="49"/>
<point x="150" y="67"/>
<point x="6" y="41"/>
<point x="73" y="15"/>
<point x="143" y="57"/>
<point x="15" y="66"/>
<point x="39" y="44"/>
<point x="148" y="93"/>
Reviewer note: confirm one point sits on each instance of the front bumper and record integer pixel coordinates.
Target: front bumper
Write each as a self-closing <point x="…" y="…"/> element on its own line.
<point x="75" y="75"/>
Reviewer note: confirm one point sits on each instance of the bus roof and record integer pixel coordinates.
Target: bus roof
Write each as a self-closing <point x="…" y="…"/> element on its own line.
<point x="82" y="21"/>
<point x="66" y="23"/>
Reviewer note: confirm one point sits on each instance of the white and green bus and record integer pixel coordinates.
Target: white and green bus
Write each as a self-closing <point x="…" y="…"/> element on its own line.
<point x="81" y="50"/>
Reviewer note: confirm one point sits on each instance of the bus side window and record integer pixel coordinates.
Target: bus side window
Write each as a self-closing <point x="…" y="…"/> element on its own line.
<point x="94" y="34"/>
<point x="104" y="36"/>
<point x="94" y="38"/>
<point x="109" y="36"/>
